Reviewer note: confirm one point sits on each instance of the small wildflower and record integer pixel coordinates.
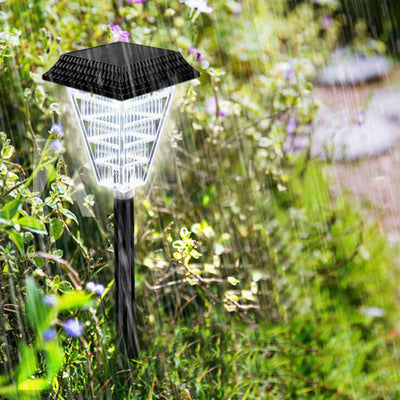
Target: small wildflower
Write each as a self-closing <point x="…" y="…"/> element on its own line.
<point x="136" y="1"/>
<point x="124" y="36"/>
<point x="326" y="22"/>
<point x="57" y="129"/>
<point x="211" y="105"/>
<point x="224" y="107"/>
<point x="285" y="70"/>
<point x="57" y="145"/>
<point x="195" y="53"/>
<point x="73" y="328"/>
<point x="49" y="335"/>
<point x="295" y="143"/>
<point x="91" y="287"/>
<point x="49" y="300"/>
<point x="290" y="71"/>
<point x="291" y="126"/>
<point x="199" y="5"/>
<point x="99" y="289"/>
<point x="95" y="288"/>
<point x="118" y="35"/>
<point x="13" y="39"/>
<point x="235" y="7"/>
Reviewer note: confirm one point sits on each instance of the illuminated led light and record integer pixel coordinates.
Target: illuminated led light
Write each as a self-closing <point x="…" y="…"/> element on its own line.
<point x="121" y="136"/>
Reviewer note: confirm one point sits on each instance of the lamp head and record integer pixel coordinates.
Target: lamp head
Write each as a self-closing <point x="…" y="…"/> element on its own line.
<point x="121" y="93"/>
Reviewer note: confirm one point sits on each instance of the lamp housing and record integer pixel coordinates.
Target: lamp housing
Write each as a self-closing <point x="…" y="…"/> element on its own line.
<point x="121" y="93"/>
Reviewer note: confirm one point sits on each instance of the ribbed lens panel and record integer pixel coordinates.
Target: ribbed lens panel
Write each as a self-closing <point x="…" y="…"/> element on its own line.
<point x="121" y="136"/>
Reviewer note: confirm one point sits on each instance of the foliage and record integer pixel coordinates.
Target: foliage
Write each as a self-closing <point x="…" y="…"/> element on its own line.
<point x="268" y="292"/>
<point x="21" y="384"/>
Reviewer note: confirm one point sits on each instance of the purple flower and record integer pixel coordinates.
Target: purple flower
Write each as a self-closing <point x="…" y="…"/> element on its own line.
<point x="49" y="335"/>
<point x="124" y="36"/>
<point x="95" y="288"/>
<point x="326" y="22"/>
<point x="118" y="35"/>
<point x="290" y="70"/>
<point x="49" y="300"/>
<point x="224" y="107"/>
<point x="291" y="126"/>
<point x="285" y="69"/>
<point x="195" y="53"/>
<point x="295" y="143"/>
<point x="58" y="129"/>
<point x="73" y="328"/>
<point x="211" y="105"/>
<point x="99" y="289"/>
<point x="91" y="287"/>
<point x="136" y="1"/>
<point x="57" y="145"/>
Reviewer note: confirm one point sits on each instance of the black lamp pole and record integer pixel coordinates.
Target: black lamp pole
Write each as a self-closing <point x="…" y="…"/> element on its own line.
<point x="124" y="256"/>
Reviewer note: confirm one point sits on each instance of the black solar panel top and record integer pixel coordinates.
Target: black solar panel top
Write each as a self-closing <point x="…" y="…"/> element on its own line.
<point x="121" y="70"/>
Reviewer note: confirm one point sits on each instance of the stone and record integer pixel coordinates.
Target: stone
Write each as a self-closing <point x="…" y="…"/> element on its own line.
<point x="347" y="68"/>
<point x="347" y="135"/>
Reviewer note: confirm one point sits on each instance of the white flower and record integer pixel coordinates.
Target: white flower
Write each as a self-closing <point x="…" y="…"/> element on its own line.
<point x="199" y="5"/>
<point x="14" y="38"/>
<point x="11" y="37"/>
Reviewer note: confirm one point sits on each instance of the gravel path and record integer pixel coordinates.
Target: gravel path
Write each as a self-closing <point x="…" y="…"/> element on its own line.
<point x="375" y="180"/>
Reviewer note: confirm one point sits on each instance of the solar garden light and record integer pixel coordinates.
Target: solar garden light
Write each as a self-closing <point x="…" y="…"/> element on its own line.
<point x="121" y="93"/>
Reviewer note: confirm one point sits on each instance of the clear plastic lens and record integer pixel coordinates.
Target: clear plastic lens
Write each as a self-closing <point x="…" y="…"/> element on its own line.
<point x="121" y="136"/>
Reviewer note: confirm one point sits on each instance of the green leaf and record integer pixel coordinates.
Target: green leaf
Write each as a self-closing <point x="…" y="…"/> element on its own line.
<point x="8" y="391"/>
<point x="35" y="309"/>
<point x="178" y="244"/>
<point x="27" y="365"/>
<point x="4" y="221"/>
<point x="74" y="300"/>
<point x="56" y="229"/>
<point x="7" y="151"/>
<point x="11" y="208"/>
<point x="51" y="173"/>
<point x="69" y="215"/>
<point x="55" y="358"/>
<point x="32" y="224"/>
<point x="185" y="233"/>
<point x="33" y="385"/>
<point x="18" y="240"/>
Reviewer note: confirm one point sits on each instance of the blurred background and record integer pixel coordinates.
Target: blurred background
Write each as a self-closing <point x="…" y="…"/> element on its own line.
<point x="267" y="238"/>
